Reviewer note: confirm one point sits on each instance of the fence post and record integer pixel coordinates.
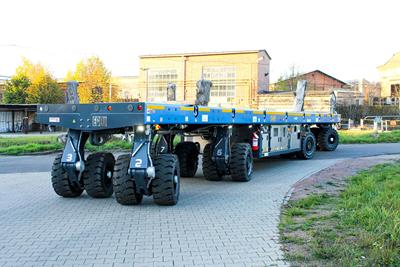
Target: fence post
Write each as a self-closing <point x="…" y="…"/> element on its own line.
<point x="381" y="125"/>
<point x="349" y="124"/>
<point x="375" y="125"/>
<point x="362" y="123"/>
<point x="386" y="125"/>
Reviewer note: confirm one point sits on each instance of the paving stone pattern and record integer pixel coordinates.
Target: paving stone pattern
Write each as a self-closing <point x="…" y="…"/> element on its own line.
<point x="215" y="223"/>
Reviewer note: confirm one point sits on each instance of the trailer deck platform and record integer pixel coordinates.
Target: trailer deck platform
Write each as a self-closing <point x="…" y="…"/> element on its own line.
<point x="164" y="147"/>
<point x="92" y="117"/>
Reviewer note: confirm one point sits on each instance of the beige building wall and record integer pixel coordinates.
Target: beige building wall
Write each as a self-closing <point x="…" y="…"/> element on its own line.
<point x="390" y="76"/>
<point x="263" y="71"/>
<point x="127" y="86"/>
<point x="149" y="64"/>
<point x="245" y="71"/>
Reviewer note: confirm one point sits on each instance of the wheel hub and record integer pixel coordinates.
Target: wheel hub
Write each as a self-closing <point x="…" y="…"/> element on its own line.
<point x="249" y="166"/>
<point x="309" y="145"/>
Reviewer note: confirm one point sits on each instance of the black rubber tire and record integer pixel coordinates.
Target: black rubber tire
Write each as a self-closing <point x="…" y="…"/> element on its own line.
<point x="316" y="131"/>
<point x="308" y="146"/>
<point x="98" y="173"/>
<point x="124" y="184"/>
<point x="210" y="170"/>
<point x="328" y="139"/>
<point x="97" y="176"/>
<point x="166" y="185"/>
<point x="324" y="126"/>
<point x="188" y="155"/>
<point x="241" y="164"/>
<point x="60" y="181"/>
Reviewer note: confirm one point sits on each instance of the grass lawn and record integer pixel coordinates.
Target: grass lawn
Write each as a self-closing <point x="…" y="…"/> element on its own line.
<point x="358" y="227"/>
<point x="368" y="137"/>
<point x="32" y="144"/>
<point x="28" y="144"/>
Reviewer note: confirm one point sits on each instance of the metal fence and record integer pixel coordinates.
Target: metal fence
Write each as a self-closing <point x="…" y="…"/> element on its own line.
<point x="376" y="123"/>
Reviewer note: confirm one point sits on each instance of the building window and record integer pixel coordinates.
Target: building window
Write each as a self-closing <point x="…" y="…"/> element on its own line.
<point x="395" y="90"/>
<point x="276" y="132"/>
<point x="158" y="81"/>
<point x="223" y="79"/>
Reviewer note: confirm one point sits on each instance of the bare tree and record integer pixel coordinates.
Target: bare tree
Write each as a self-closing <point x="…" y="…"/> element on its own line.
<point x="288" y="80"/>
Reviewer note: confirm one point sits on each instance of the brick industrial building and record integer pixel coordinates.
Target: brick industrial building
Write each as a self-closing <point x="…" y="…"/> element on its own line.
<point x="237" y="76"/>
<point x="316" y="81"/>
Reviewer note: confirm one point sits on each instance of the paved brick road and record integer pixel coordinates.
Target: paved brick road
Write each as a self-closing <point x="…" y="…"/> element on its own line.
<point x="8" y="164"/>
<point x="215" y="223"/>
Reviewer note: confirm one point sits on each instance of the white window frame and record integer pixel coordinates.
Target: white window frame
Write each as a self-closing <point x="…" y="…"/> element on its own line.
<point x="223" y="79"/>
<point x="157" y="81"/>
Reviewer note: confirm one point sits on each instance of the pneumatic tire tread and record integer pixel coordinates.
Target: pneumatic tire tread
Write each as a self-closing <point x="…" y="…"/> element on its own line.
<point x="164" y="187"/>
<point x="188" y="155"/>
<point x="308" y="146"/>
<point x="241" y="164"/>
<point x="124" y="184"/>
<point x="210" y="170"/>
<point x="60" y="181"/>
<point x="325" y="137"/>
<point x="97" y="184"/>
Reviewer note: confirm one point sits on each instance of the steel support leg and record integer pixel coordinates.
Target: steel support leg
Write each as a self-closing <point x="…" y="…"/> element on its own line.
<point x="141" y="165"/>
<point x="73" y="158"/>
<point x="222" y="149"/>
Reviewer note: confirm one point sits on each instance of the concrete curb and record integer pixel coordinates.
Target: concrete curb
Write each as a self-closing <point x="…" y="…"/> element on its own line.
<point x="290" y="192"/>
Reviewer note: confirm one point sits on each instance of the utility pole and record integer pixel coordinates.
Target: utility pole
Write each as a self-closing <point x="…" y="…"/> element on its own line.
<point x="147" y="83"/>
<point x="110" y="92"/>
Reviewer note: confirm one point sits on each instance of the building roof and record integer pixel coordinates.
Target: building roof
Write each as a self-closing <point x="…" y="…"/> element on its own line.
<point x="4" y="78"/>
<point x="321" y="72"/>
<point x="125" y="77"/>
<point x="395" y="59"/>
<point x="207" y="53"/>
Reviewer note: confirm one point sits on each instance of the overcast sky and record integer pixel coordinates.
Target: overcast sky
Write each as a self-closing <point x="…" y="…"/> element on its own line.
<point x="347" y="39"/>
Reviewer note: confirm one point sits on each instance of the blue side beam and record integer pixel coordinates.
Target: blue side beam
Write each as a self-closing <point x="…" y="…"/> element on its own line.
<point x="181" y="114"/>
<point x="107" y="116"/>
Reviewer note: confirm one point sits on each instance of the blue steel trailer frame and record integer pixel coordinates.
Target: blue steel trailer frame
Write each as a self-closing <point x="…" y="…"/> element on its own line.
<point x="105" y="116"/>
<point x="235" y="136"/>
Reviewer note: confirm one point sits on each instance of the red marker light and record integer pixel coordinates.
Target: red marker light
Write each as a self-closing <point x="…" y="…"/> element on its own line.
<point x="139" y="107"/>
<point x="109" y="108"/>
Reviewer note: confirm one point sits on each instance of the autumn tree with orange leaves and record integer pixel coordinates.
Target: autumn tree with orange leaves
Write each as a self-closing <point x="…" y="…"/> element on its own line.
<point x="32" y="84"/>
<point x="94" y="81"/>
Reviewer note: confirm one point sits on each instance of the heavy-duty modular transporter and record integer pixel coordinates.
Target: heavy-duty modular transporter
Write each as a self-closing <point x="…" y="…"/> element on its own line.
<point x="159" y="157"/>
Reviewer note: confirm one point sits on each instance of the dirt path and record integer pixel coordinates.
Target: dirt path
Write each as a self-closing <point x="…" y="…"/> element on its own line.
<point x="296" y="230"/>
<point x="332" y="179"/>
